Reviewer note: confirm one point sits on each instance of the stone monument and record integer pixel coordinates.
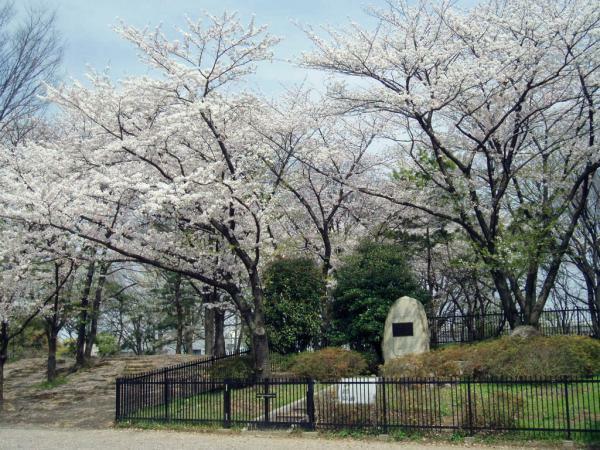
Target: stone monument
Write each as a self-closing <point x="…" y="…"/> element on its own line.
<point x="406" y="329"/>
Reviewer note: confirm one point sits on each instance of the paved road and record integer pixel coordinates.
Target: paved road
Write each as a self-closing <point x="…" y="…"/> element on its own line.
<point x="42" y="439"/>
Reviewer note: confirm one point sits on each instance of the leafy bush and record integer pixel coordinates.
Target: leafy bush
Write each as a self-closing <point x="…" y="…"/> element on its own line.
<point x="294" y="289"/>
<point x="368" y="283"/>
<point x="239" y="367"/>
<point x="68" y="347"/>
<point x="281" y="363"/>
<point x="31" y="343"/>
<point x="107" y="344"/>
<point x="328" y="364"/>
<point x="507" y="357"/>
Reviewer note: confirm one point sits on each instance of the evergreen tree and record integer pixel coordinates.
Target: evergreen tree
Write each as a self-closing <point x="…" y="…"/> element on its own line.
<point x="368" y="283"/>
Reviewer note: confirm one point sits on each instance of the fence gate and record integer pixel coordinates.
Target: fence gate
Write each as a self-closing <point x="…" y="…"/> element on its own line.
<point x="270" y="403"/>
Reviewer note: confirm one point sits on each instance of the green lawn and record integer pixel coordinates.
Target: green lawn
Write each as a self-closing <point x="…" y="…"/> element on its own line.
<point x="245" y="405"/>
<point x="493" y="406"/>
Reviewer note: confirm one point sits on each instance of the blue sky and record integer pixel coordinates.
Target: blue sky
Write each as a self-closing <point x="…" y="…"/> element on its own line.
<point x="86" y="28"/>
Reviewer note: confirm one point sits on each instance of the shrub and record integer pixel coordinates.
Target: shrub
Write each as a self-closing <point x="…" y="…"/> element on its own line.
<point x="281" y="363"/>
<point x="68" y="346"/>
<point x="438" y="363"/>
<point x="294" y="289"/>
<point x="507" y="357"/>
<point x="369" y="281"/>
<point x="239" y="367"/>
<point x="107" y="344"/>
<point x="328" y="364"/>
<point x="552" y="357"/>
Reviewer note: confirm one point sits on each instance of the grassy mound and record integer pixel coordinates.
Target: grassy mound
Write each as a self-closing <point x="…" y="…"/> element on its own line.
<point x="328" y="364"/>
<point x="537" y="357"/>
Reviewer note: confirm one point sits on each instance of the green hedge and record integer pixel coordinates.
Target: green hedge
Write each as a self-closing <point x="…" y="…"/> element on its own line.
<point x="329" y="363"/>
<point x="542" y="357"/>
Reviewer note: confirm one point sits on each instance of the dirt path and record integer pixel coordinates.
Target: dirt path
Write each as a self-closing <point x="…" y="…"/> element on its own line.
<point x="87" y="400"/>
<point x="41" y="439"/>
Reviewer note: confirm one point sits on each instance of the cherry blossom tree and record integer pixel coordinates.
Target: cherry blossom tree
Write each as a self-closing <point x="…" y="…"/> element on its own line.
<point x="315" y="155"/>
<point x="493" y="116"/>
<point x="165" y="171"/>
<point x="28" y="283"/>
<point x="584" y="254"/>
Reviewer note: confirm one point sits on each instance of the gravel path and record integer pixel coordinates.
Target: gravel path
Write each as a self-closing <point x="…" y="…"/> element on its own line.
<point x="41" y="439"/>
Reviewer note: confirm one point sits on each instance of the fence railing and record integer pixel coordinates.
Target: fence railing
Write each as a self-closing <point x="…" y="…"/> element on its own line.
<point x="199" y="369"/>
<point x="457" y="328"/>
<point x="567" y="407"/>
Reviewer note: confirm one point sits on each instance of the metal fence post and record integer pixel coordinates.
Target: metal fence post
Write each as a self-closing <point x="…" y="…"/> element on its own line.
<point x="566" y="384"/>
<point x="310" y="403"/>
<point x="384" y="405"/>
<point x="469" y="407"/>
<point x="118" y="400"/>
<point x="167" y="396"/>
<point x="266" y="400"/>
<point x="226" y="405"/>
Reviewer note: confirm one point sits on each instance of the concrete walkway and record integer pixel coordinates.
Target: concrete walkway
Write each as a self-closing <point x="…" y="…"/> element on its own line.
<point x="81" y="439"/>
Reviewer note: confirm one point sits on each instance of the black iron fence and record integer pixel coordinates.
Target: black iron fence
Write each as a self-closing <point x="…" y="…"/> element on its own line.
<point x="456" y="328"/>
<point x="197" y="370"/>
<point x="156" y="390"/>
<point x="568" y="407"/>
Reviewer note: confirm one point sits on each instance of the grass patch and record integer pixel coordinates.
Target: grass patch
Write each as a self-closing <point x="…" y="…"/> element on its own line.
<point x="58" y="381"/>
<point x="209" y="407"/>
<point x="444" y="407"/>
<point x="142" y="424"/>
<point x="397" y="435"/>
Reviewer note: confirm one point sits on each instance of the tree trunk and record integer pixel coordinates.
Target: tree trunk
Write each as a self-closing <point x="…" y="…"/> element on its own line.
<point x="121" y="323"/>
<point x="507" y="299"/>
<point x="256" y="323"/>
<point x="240" y="337"/>
<point x="595" y="307"/>
<point x="260" y="353"/>
<point x="52" y="336"/>
<point x="95" y="310"/>
<point x="53" y="325"/>
<point x="593" y="303"/>
<point x="137" y="334"/>
<point x="3" y="358"/>
<point x="188" y="340"/>
<point x="209" y="331"/>
<point x="219" y="321"/>
<point x="178" y="313"/>
<point x="83" y="316"/>
<point x="327" y="298"/>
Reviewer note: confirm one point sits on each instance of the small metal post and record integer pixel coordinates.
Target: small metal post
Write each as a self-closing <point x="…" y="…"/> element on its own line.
<point x="384" y="405"/>
<point x="310" y="404"/>
<point x="167" y="396"/>
<point x="118" y="401"/>
<point x="266" y="400"/>
<point x="226" y="405"/>
<point x="469" y="407"/>
<point x="566" y="384"/>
